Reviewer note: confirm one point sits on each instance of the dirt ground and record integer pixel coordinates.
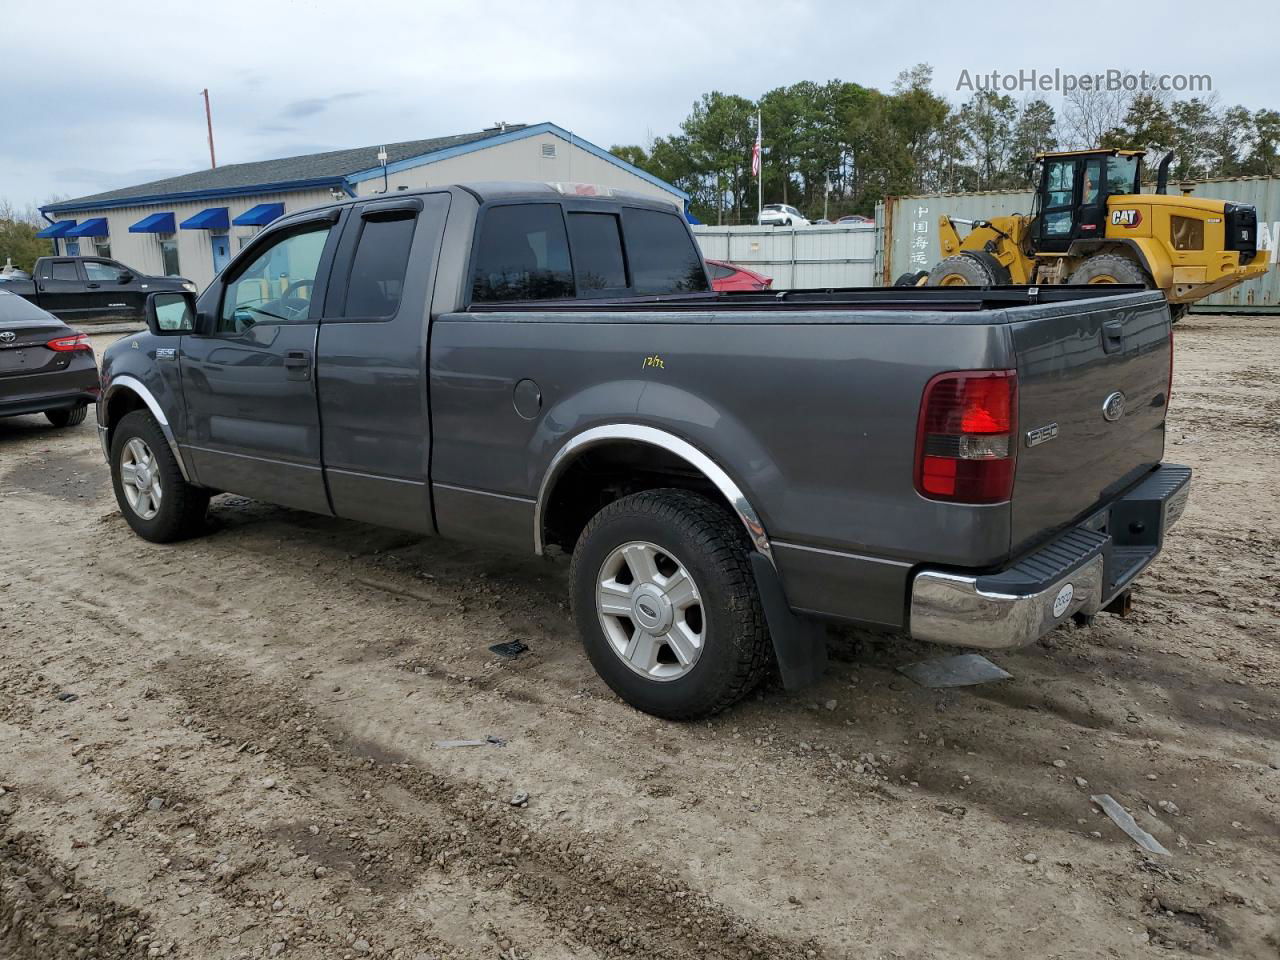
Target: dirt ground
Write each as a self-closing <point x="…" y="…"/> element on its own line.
<point x="227" y="748"/>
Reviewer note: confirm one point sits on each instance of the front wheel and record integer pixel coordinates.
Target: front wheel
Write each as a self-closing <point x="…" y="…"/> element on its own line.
<point x="156" y="501"/>
<point x="667" y="605"/>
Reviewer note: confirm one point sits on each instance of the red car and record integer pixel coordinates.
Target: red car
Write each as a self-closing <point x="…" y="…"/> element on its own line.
<point x="727" y="276"/>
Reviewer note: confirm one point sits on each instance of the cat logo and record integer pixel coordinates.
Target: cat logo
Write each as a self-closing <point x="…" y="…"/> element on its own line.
<point x="1126" y="218"/>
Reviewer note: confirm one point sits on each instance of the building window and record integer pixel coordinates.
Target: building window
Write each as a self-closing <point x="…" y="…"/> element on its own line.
<point x="169" y="257"/>
<point x="102" y="247"/>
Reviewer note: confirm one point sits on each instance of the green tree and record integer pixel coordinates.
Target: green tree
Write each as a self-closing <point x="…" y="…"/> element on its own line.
<point x="18" y="242"/>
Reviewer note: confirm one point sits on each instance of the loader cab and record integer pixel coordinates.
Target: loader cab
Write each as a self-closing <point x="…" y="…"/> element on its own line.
<point x="1071" y="198"/>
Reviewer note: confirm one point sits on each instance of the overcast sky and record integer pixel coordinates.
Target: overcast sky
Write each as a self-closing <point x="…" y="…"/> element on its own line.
<point x="98" y="96"/>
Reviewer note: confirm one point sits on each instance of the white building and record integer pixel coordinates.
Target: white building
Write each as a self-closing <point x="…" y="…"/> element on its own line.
<point x="191" y="225"/>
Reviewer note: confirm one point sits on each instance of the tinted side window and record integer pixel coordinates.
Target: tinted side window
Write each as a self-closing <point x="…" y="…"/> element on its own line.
<point x="378" y="270"/>
<point x="597" y="252"/>
<point x="64" y="270"/>
<point x="720" y="273"/>
<point x="523" y="255"/>
<point x="662" y="255"/>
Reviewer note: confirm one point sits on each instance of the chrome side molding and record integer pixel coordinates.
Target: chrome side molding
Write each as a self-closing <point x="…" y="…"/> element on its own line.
<point x="126" y="382"/>
<point x="686" y="451"/>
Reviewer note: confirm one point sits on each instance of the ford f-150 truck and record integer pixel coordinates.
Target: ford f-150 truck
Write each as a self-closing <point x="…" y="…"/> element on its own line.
<point x="523" y="366"/>
<point x="76" y="289"/>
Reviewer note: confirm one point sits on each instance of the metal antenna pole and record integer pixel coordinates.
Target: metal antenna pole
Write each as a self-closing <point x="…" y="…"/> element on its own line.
<point x="208" y="119"/>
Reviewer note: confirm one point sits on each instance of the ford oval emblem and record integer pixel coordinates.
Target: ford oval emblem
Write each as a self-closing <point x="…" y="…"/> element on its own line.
<point x="1113" y="406"/>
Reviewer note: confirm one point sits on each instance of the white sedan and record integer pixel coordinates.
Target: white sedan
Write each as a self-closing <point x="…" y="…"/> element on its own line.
<point x="782" y="215"/>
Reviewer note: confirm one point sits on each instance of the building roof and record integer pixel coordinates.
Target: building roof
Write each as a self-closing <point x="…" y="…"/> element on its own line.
<point x="332" y="168"/>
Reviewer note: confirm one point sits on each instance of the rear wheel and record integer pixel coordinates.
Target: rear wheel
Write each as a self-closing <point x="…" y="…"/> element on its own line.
<point x="69" y="417"/>
<point x="961" y="271"/>
<point x="156" y="502"/>
<point x="912" y="279"/>
<point x="1109" y="268"/>
<point x="667" y="605"/>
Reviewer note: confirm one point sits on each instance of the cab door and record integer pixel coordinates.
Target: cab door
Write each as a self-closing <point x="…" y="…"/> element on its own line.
<point x="1059" y="201"/>
<point x="112" y="290"/>
<point x="249" y="382"/>
<point x="1091" y="221"/>
<point x="60" y="285"/>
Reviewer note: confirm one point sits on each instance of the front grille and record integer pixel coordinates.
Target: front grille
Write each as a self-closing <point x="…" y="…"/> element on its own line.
<point x="1242" y="229"/>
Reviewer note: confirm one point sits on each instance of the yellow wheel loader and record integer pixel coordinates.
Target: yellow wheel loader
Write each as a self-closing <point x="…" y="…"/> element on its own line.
<point x="1091" y="224"/>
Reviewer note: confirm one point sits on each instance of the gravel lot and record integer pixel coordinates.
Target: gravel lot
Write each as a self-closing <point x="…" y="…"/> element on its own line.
<point x="226" y="748"/>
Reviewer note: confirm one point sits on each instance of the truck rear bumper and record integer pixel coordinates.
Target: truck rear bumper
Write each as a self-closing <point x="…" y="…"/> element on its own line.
<point x="1081" y="571"/>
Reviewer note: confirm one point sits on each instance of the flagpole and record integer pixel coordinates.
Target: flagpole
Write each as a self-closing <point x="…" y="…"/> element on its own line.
<point x="760" y="175"/>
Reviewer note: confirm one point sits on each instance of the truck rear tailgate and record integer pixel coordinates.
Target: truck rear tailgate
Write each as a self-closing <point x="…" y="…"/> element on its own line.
<point x="1093" y="382"/>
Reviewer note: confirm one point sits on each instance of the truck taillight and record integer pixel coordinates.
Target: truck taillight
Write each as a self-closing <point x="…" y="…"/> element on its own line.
<point x="75" y="342"/>
<point x="966" y="447"/>
<point x="1168" y="394"/>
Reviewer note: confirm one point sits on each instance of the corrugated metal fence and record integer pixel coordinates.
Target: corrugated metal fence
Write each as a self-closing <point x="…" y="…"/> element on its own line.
<point x="911" y="232"/>
<point x="800" y="257"/>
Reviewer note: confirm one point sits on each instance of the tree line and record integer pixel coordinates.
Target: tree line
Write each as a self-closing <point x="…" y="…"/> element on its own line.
<point x="18" y="242"/>
<point x="840" y="147"/>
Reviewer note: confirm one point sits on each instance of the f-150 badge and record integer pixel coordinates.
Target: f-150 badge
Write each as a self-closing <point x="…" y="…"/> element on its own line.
<point x="1041" y="434"/>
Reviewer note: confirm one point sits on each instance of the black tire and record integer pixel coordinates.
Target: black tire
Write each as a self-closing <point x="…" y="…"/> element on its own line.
<point x="961" y="271"/>
<point x="1177" y="311"/>
<point x="69" y="417"/>
<point x="1109" y="268"/>
<point x="710" y="543"/>
<point x="182" y="506"/>
<point x="911" y="279"/>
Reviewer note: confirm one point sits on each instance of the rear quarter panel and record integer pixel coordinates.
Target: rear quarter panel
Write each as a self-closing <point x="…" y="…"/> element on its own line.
<point x="814" y="418"/>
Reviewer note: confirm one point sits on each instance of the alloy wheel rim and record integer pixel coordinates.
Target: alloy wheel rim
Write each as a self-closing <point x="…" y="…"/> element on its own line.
<point x="140" y="478"/>
<point x="651" y="611"/>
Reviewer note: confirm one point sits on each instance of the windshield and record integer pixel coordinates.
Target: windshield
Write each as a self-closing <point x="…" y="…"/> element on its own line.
<point x="1122" y="175"/>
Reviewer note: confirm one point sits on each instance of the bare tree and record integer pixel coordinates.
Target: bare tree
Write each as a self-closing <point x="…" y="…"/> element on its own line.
<point x="1087" y="115"/>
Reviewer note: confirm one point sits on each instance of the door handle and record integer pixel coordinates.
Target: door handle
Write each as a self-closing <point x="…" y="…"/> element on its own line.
<point x="297" y="364"/>
<point x="92" y="286"/>
<point x="1112" y="336"/>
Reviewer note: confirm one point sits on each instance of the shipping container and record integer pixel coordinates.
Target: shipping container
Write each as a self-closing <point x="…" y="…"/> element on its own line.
<point x="797" y="258"/>
<point x="911" y="232"/>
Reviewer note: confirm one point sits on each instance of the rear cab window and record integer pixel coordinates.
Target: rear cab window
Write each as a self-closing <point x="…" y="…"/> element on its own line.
<point x="381" y="262"/>
<point x="64" y="270"/>
<point x="523" y="254"/>
<point x="543" y="251"/>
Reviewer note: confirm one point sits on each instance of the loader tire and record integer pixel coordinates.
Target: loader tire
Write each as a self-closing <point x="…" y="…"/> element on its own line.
<point x="961" y="271"/>
<point x="1109" y="268"/>
<point x="913" y="279"/>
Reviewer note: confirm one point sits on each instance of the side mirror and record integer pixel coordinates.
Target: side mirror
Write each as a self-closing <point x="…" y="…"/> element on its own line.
<point x="171" y="314"/>
<point x="125" y="277"/>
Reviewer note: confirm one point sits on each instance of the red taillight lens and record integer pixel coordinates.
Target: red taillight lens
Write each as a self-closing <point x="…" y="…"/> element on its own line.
<point x="1168" y="394"/>
<point x="77" y="341"/>
<point x="965" y="443"/>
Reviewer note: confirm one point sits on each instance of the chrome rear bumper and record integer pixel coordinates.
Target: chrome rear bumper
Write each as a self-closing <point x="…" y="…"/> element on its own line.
<point x="1079" y="572"/>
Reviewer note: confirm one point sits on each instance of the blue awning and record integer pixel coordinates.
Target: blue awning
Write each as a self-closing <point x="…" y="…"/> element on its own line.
<point x="262" y="214"/>
<point x="95" y="227"/>
<point x="154" y="223"/>
<point x="59" y="229"/>
<point x="688" y="215"/>
<point x="215" y="218"/>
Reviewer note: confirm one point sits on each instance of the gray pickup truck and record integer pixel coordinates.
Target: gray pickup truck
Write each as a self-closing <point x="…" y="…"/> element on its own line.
<point x="526" y="367"/>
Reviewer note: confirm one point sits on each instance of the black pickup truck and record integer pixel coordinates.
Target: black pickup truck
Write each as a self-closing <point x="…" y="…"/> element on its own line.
<point x="92" y="288"/>
<point x="529" y="368"/>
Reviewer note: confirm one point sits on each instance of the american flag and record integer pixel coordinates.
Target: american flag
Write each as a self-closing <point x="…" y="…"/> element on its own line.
<point x="755" y="150"/>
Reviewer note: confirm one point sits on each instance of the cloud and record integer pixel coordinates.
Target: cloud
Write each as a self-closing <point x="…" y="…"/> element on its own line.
<point x="310" y="106"/>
